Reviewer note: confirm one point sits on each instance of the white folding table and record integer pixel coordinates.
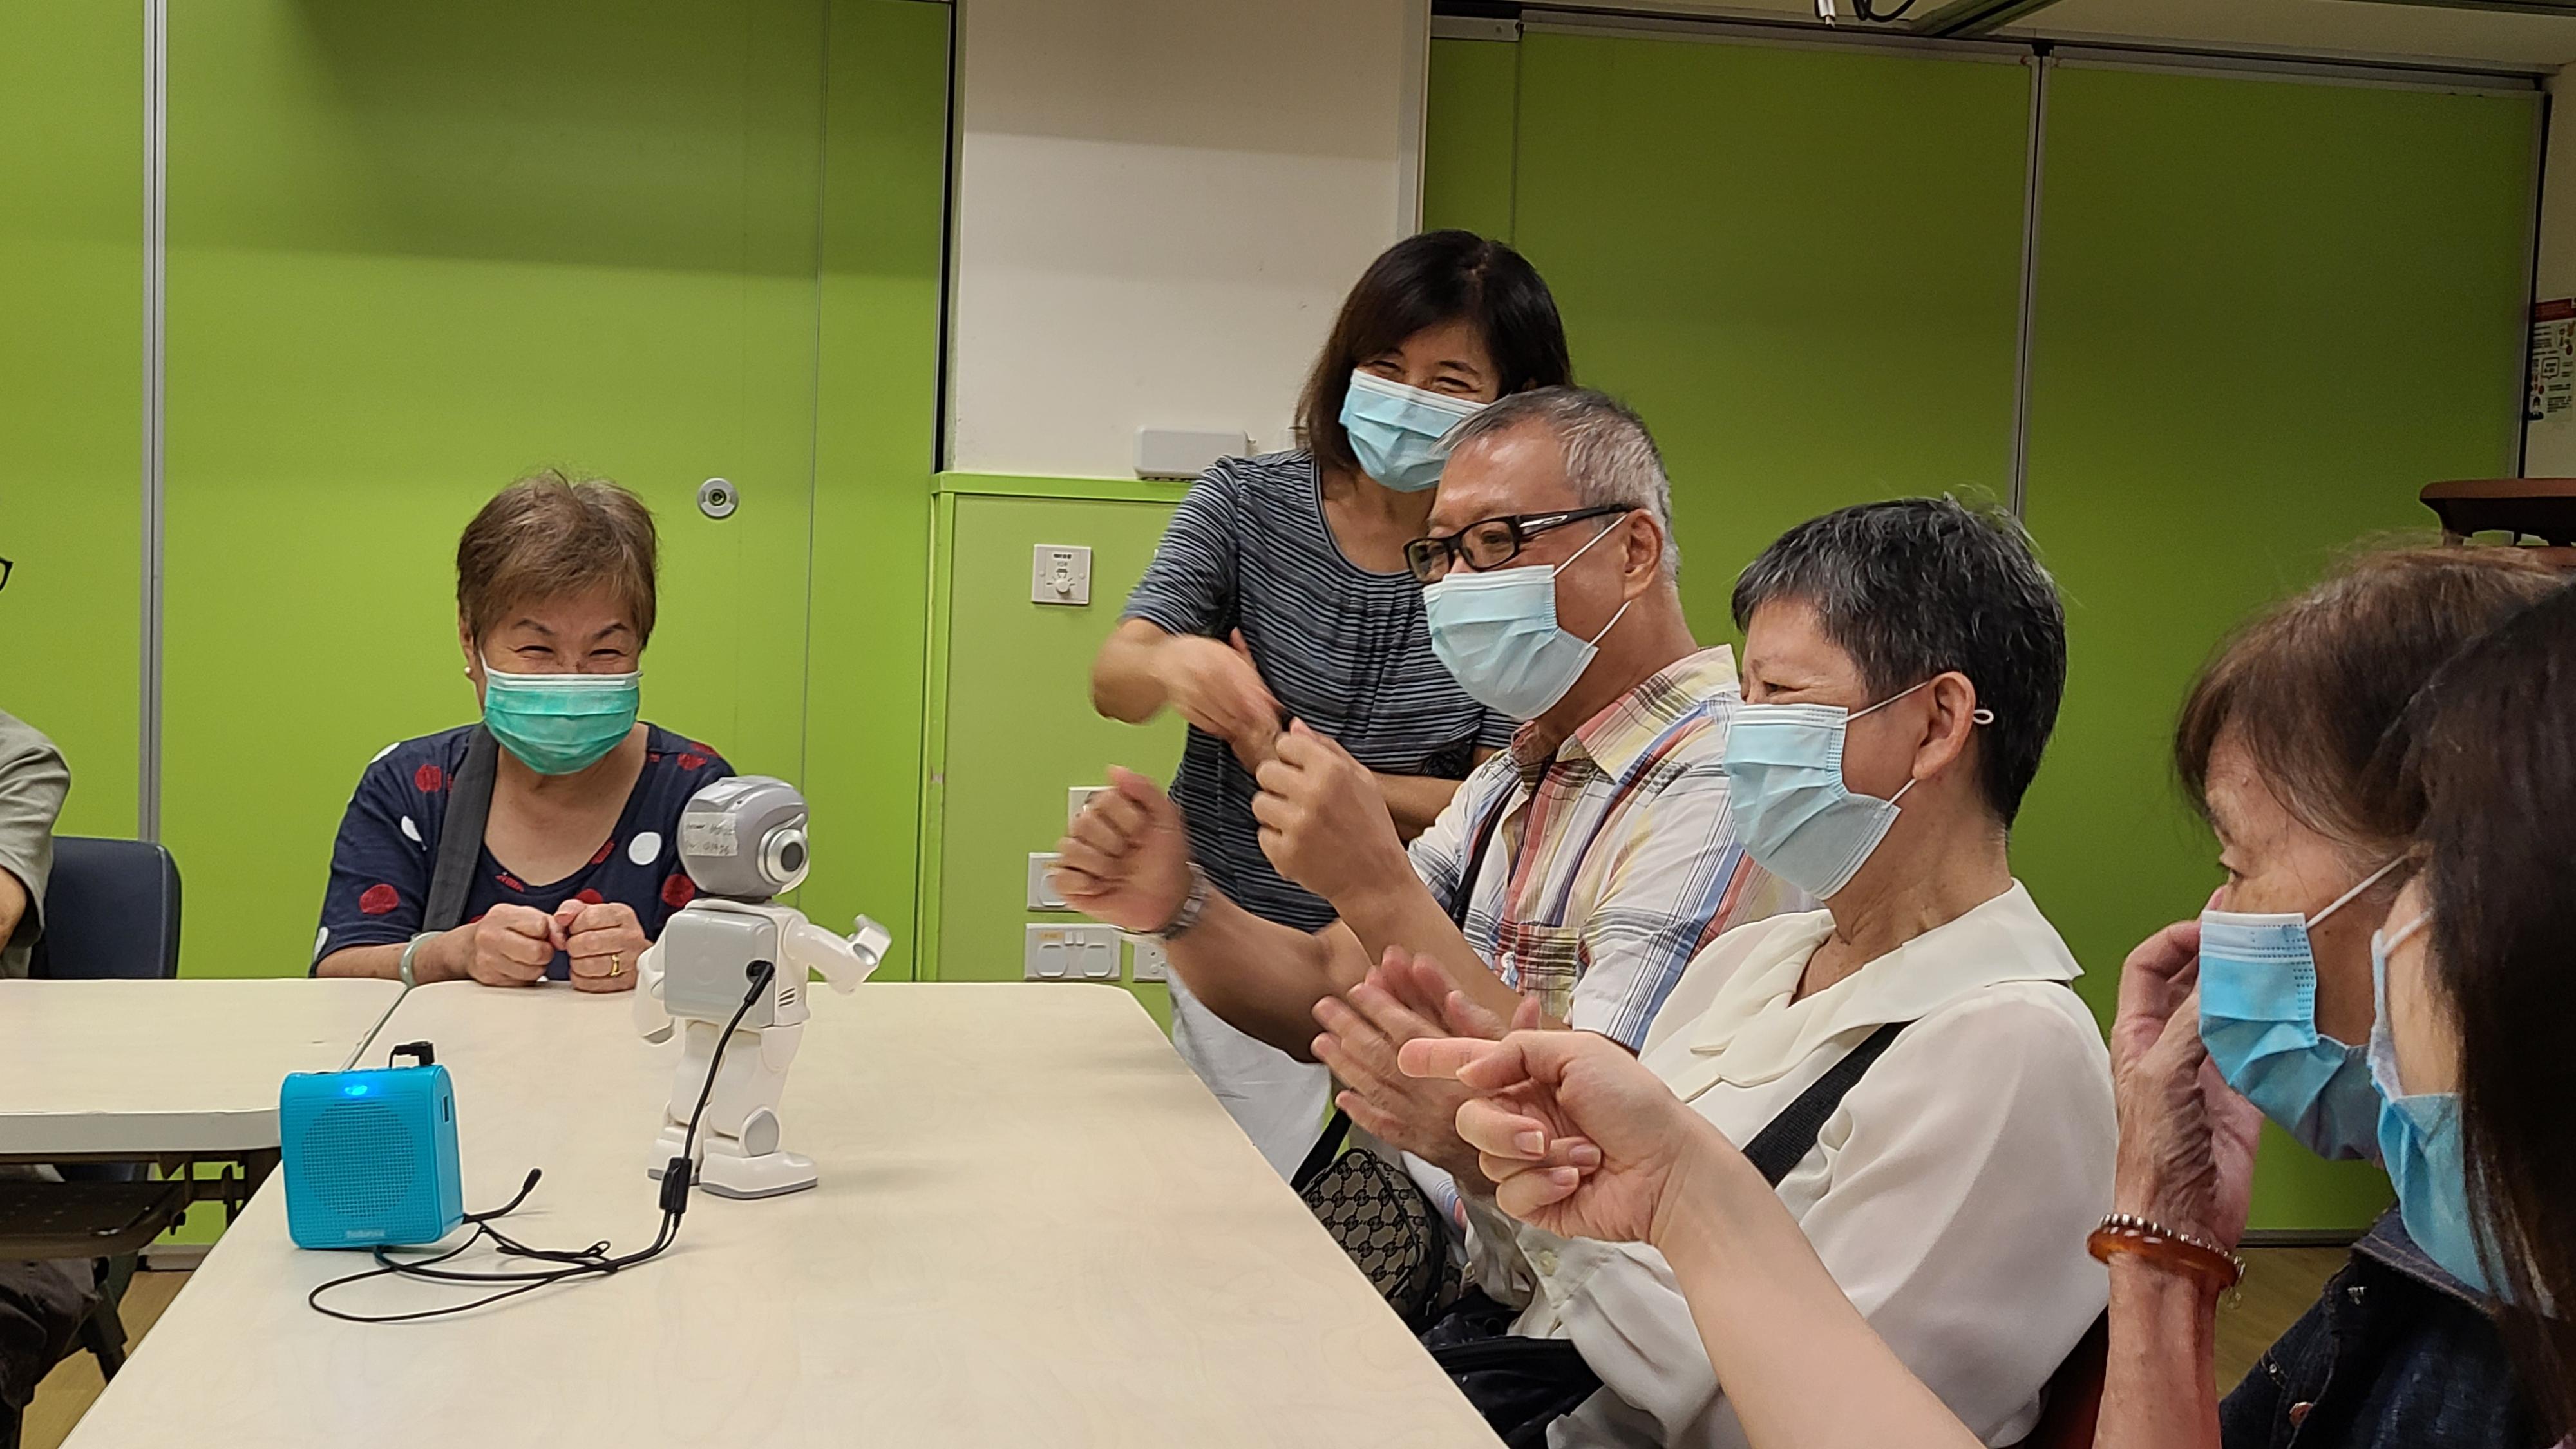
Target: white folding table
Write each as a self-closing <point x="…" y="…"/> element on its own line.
<point x="153" y="1068"/>
<point x="1034" y="1227"/>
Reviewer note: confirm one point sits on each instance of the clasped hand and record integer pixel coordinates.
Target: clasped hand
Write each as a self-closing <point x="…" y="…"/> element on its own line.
<point x="513" y="945"/>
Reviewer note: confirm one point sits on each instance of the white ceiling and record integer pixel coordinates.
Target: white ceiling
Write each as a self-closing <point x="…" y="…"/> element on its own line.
<point x="2358" y="29"/>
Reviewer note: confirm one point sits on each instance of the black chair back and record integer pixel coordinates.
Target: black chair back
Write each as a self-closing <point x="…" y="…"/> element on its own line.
<point x="111" y="912"/>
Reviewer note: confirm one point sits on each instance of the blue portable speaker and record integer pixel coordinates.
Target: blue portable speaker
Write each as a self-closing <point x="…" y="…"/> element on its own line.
<point x="370" y="1156"/>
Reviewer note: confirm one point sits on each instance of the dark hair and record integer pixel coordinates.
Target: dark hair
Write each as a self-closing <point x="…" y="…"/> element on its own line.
<point x="546" y="536"/>
<point x="1423" y="281"/>
<point x="1916" y="587"/>
<point x="2495" y="752"/>
<point x="2314" y="685"/>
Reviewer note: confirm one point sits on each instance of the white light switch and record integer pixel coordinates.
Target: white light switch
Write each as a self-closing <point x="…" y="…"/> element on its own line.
<point x="1070" y="953"/>
<point x="1150" y="962"/>
<point x="1060" y="573"/>
<point x="1042" y="896"/>
<point x="1077" y="798"/>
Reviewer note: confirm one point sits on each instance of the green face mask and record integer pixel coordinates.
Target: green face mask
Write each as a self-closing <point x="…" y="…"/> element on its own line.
<point x="559" y="723"/>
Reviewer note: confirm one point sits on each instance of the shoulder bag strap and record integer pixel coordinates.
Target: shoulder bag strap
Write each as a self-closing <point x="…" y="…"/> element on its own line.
<point x="460" y="833"/>
<point x="1779" y="1146"/>
<point x="1338" y="1127"/>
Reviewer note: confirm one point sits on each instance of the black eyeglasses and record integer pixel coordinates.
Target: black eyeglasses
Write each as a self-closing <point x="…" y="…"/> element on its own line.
<point x="5" y="567"/>
<point x="1490" y="543"/>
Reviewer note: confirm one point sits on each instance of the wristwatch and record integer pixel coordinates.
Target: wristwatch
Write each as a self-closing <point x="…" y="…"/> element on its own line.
<point x="1193" y="906"/>
<point x="411" y="949"/>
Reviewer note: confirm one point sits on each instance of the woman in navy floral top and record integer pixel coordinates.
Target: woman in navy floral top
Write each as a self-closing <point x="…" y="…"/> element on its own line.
<point x="554" y="599"/>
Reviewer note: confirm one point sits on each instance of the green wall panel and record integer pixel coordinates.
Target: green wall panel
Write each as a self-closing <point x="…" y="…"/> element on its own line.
<point x="1467" y="136"/>
<point x="415" y="251"/>
<point x="884" y="169"/>
<point x="1801" y="266"/>
<point x="2267" y="314"/>
<point x="71" y="391"/>
<point x="1017" y="728"/>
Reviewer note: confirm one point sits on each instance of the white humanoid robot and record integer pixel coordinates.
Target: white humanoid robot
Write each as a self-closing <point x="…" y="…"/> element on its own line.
<point x="743" y="841"/>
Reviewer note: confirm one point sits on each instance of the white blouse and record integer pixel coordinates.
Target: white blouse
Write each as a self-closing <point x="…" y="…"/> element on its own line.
<point x="1950" y="1194"/>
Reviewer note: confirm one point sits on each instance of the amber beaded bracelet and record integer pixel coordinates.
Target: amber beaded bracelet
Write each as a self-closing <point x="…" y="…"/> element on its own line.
<point x="2162" y="1246"/>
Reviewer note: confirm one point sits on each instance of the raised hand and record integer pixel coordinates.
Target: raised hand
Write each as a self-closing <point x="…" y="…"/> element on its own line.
<point x="1126" y="860"/>
<point x="2187" y="1139"/>
<point x="1216" y="687"/>
<point x="1324" y="822"/>
<point x="1363" y="1030"/>
<point x="1426" y="988"/>
<point x="1578" y="1138"/>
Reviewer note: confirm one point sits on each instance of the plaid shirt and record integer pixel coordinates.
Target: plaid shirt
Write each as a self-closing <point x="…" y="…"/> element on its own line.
<point x="1615" y="860"/>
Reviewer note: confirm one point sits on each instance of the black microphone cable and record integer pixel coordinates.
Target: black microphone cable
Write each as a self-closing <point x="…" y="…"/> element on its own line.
<point x="597" y="1260"/>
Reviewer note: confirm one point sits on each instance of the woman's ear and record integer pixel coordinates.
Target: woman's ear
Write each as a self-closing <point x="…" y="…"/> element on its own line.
<point x="1953" y="726"/>
<point x="465" y="644"/>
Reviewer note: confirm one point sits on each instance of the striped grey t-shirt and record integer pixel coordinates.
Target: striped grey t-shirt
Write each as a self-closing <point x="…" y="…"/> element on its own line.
<point x="1344" y="649"/>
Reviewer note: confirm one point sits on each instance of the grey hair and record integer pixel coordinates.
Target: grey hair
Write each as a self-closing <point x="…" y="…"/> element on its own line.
<point x="1610" y="458"/>
<point x="1915" y="587"/>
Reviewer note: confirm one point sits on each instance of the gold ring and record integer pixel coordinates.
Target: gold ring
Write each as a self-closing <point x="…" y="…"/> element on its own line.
<point x="616" y="963"/>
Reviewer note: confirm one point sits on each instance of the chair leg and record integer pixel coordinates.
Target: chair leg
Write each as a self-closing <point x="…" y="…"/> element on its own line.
<point x="103" y="1332"/>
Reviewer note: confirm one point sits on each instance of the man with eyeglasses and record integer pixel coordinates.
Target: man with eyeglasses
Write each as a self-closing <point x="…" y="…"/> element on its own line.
<point x="1604" y="855"/>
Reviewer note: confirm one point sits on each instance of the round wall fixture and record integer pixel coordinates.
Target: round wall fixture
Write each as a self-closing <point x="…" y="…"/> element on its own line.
<point x="717" y="499"/>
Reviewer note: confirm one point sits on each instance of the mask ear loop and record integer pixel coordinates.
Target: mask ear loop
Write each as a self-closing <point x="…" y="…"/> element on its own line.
<point x="1580" y="552"/>
<point x="2365" y="883"/>
<point x="1980" y="715"/>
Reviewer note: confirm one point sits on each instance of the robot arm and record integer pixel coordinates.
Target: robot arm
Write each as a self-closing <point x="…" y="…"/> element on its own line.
<point x="843" y="961"/>
<point x="652" y="1017"/>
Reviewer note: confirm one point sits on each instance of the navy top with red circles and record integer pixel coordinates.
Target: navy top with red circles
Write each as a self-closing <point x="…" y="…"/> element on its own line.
<point x="388" y="846"/>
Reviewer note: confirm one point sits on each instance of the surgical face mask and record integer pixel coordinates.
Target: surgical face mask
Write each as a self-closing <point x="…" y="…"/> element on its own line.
<point x="559" y="723"/>
<point x="2258" y="1017"/>
<point x="1497" y="635"/>
<point x="1398" y="433"/>
<point x="1784" y="782"/>
<point x="2419" y="1142"/>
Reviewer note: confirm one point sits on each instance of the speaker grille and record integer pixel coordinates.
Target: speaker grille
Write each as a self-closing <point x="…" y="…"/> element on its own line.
<point x="359" y="1159"/>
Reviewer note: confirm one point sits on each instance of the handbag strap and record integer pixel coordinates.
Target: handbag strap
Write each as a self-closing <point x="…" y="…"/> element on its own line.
<point x="1337" y="1128"/>
<point x="1779" y="1146"/>
<point x="460" y="833"/>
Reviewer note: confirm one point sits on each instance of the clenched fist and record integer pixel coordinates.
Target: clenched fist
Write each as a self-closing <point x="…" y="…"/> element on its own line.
<point x="1324" y="822"/>
<point x="1126" y="861"/>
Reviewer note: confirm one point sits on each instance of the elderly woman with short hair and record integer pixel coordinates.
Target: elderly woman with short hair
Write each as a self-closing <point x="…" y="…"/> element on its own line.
<point x="576" y="870"/>
<point x="1933" y="1098"/>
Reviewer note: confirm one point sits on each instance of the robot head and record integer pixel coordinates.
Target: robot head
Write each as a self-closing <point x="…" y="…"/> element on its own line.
<point x="744" y="838"/>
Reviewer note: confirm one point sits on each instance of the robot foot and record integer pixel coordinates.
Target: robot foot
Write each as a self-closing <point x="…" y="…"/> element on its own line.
<point x="723" y="1168"/>
<point x="767" y="1175"/>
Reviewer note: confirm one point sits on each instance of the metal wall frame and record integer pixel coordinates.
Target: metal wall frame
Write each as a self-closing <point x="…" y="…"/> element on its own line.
<point x="156" y="91"/>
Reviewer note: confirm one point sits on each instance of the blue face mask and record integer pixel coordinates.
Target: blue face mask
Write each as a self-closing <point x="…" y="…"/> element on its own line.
<point x="2258" y="1017"/>
<point x="2419" y="1142"/>
<point x="1398" y="432"/>
<point x="559" y="723"/>
<point x="1496" y="633"/>
<point x="1784" y="783"/>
